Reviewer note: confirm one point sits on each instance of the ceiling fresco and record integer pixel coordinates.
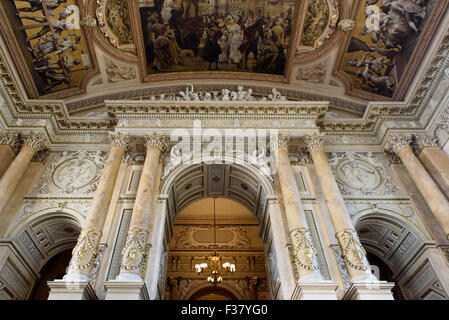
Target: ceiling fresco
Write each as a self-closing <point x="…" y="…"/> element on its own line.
<point x="50" y="39"/>
<point x="202" y="35"/>
<point x="349" y="52"/>
<point x="384" y="42"/>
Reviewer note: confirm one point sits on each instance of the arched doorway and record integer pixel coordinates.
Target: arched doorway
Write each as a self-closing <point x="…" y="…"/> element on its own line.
<point x="237" y="241"/>
<point x="47" y="240"/>
<point x="213" y="293"/>
<point x="391" y="245"/>
<point x="54" y="269"/>
<point x="241" y="192"/>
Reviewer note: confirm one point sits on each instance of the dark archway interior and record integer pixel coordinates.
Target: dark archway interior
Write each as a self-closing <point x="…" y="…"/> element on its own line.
<point x="385" y="274"/>
<point x="213" y="293"/>
<point x="53" y="269"/>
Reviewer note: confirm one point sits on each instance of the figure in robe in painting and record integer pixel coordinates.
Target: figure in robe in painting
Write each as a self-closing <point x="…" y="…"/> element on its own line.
<point x="164" y="59"/>
<point x="236" y="39"/>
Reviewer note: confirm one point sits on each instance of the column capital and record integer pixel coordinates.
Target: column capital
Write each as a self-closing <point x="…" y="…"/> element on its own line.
<point x="120" y="140"/>
<point x="397" y="143"/>
<point x="11" y="139"/>
<point x="419" y="142"/>
<point x="277" y="142"/>
<point x="314" y="141"/>
<point x="157" y="140"/>
<point x="36" y="141"/>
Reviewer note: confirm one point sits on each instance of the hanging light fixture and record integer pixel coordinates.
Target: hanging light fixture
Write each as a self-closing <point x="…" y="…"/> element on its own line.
<point x="215" y="270"/>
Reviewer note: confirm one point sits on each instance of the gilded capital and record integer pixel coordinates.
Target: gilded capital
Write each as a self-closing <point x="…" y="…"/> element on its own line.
<point x="314" y="141"/>
<point x="120" y="140"/>
<point x="36" y="141"/>
<point x="156" y="140"/>
<point x="398" y="143"/>
<point x="11" y="139"/>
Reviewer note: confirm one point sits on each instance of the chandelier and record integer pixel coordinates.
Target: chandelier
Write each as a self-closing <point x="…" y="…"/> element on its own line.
<point x="215" y="270"/>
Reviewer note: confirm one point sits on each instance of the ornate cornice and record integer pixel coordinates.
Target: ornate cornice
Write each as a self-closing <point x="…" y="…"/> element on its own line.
<point x="157" y="140"/>
<point x="11" y="139"/>
<point x="398" y="143"/>
<point x="314" y="141"/>
<point x="120" y="140"/>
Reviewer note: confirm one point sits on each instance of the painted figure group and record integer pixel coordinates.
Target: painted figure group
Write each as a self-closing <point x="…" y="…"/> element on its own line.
<point x="50" y="49"/>
<point x="175" y="40"/>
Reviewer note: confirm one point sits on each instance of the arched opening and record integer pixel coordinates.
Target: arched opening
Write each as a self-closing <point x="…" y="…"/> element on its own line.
<point x="47" y="240"/>
<point x="54" y="269"/>
<point x="213" y="293"/>
<point x="237" y="241"/>
<point x="390" y="244"/>
<point x="242" y="192"/>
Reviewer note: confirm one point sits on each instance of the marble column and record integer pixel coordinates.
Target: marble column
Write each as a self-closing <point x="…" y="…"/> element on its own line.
<point x="135" y="251"/>
<point x="31" y="145"/>
<point x="435" y="160"/>
<point x="304" y="254"/>
<point x="86" y="250"/>
<point x="9" y="144"/>
<point x="352" y="250"/>
<point x="435" y="199"/>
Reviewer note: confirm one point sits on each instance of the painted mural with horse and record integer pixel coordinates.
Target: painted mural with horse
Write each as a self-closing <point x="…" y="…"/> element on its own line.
<point x="202" y="35"/>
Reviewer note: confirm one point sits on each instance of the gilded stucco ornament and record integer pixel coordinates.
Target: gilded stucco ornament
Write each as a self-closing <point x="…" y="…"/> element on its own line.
<point x="352" y="250"/>
<point x="346" y="25"/>
<point x="85" y="253"/>
<point x="304" y="253"/>
<point x="134" y="253"/>
<point x="320" y="23"/>
<point x="114" y="24"/>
